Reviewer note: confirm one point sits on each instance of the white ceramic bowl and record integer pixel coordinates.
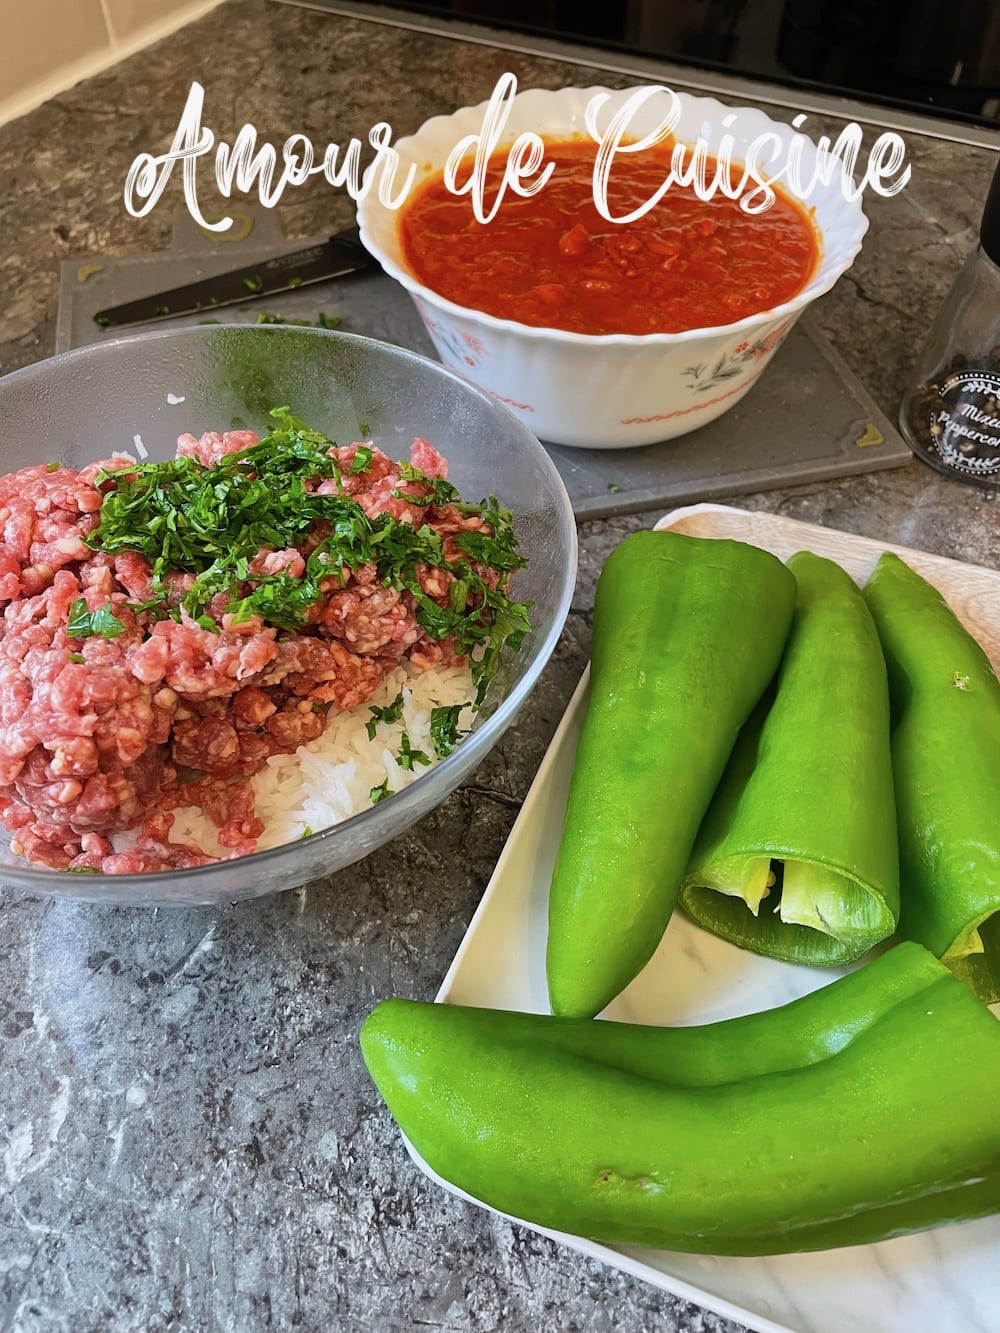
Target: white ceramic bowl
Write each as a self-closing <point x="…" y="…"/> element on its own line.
<point x="614" y="390"/>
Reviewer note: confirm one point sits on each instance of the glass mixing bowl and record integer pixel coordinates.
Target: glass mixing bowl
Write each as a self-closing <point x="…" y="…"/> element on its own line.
<point x="85" y="404"/>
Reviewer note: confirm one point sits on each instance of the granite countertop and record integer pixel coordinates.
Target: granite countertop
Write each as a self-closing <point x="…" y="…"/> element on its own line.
<point x="188" y="1136"/>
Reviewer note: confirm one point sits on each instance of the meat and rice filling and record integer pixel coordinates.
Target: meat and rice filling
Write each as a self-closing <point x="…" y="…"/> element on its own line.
<point x="141" y="669"/>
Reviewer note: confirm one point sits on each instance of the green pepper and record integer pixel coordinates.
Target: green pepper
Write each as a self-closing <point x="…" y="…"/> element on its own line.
<point x="797" y="857"/>
<point x="687" y="634"/>
<point x="946" y="759"/>
<point x="863" y="1111"/>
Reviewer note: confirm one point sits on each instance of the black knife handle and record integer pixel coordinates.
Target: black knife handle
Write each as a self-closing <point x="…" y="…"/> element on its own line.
<point x="350" y="240"/>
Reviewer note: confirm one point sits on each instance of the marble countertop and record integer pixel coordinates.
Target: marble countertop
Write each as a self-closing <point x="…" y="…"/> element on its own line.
<point x="188" y="1136"/>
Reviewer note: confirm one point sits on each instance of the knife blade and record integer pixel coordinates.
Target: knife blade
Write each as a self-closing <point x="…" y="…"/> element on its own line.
<point x="340" y="254"/>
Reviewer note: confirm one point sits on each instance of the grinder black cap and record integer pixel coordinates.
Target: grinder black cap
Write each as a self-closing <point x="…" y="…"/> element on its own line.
<point x="989" y="231"/>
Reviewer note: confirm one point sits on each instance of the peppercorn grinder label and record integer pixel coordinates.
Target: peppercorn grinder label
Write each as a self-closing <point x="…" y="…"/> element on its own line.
<point x="965" y="423"/>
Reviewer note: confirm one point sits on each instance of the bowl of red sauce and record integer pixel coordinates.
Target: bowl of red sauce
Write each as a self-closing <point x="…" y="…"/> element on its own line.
<point x="599" y="332"/>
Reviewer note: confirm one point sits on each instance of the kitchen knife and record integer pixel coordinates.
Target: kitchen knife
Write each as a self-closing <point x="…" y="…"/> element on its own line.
<point x="332" y="258"/>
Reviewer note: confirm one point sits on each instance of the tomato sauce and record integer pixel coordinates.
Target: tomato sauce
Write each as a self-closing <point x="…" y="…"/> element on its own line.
<point x="552" y="261"/>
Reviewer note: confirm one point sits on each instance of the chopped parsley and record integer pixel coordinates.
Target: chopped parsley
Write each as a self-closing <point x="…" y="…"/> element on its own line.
<point x="212" y="521"/>
<point x="322" y="321"/>
<point x="407" y="756"/>
<point x="272" y="317"/>
<point x="52" y="467"/>
<point x="361" y="461"/>
<point x="441" y="492"/>
<point x="380" y="792"/>
<point x="445" y="734"/>
<point x="497" y="552"/>
<point x="75" y="657"/>
<point x="254" y="283"/>
<point x="84" y="623"/>
<point x="390" y="713"/>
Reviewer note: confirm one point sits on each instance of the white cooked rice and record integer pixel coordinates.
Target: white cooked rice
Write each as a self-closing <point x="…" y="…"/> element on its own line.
<point x="331" y="778"/>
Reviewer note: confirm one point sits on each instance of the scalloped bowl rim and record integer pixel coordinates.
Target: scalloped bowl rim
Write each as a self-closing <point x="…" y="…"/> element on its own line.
<point x="818" y="286"/>
<point x="475" y="747"/>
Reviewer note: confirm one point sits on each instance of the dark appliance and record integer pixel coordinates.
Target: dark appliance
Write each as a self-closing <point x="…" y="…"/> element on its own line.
<point x="937" y="57"/>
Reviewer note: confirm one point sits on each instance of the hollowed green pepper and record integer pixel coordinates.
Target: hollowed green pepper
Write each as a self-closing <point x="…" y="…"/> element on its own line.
<point x="863" y="1111"/>
<point x="687" y="634"/>
<point x="946" y="758"/>
<point x="797" y="857"/>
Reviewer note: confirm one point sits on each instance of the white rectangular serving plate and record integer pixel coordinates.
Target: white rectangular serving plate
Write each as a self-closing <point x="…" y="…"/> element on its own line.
<point x="943" y="1281"/>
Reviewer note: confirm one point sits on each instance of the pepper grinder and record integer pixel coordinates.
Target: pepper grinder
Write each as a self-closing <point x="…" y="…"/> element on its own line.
<point x="950" y="415"/>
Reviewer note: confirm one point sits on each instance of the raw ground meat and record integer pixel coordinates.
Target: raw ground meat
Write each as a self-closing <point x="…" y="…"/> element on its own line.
<point x="100" y="735"/>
